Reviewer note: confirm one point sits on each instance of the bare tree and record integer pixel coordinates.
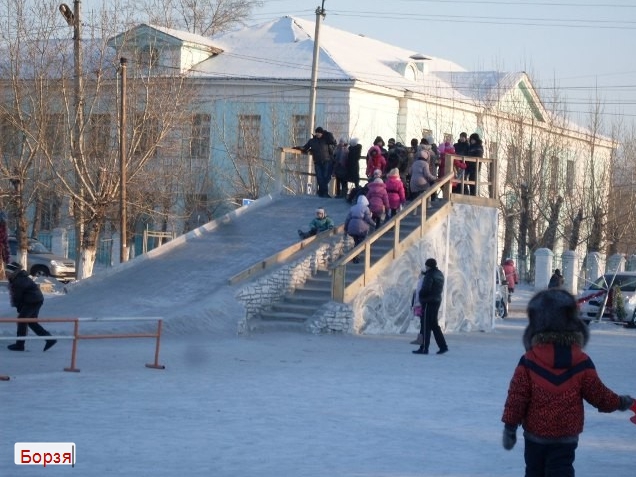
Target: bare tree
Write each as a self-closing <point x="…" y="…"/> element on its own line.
<point x="29" y="127"/>
<point x="203" y="17"/>
<point x="621" y="221"/>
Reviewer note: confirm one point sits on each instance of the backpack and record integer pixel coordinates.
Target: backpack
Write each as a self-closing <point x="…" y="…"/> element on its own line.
<point x="403" y="156"/>
<point x="331" y="142"/>
<point x="352" y="196"/>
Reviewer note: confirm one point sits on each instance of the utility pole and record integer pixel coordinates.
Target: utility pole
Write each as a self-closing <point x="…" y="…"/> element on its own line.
<point x="320" y="14"/>
<point x="73" y="19"/>
<point x="123" y="249"/>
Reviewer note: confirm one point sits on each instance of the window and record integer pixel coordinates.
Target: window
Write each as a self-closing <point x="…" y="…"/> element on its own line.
<point x="55" y="134"/>
<point x="493" y="150"/>
<point x="554" y="174"/>
<point x="148" y="56"/>
<point x="50" y="212"/>
<point x="145" y="135"/>
<point x="97" y="139"/>
<point x="9" y="138"/>
<point x="200" y="140"/>
<point x="513" y="160"/>
<point x="569" y="180"/>
<point x="299" y="129"/>
<point x="249" y="136"/>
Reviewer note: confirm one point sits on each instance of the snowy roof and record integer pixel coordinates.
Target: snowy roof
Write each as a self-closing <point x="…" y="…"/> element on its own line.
<point x="283" y="49"/>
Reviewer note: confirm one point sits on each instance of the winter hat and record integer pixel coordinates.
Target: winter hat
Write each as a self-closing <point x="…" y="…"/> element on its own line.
<point x="353" y="141"/>
<point x="553" y="314"/>
<point x="320" y="210"/>
<point x="377" y="173"/>
<point x="414" y="142"/>
<point x="557" y="271"/>
<point x="431" y="263"/>
<point x="391" y="141"/>
<point x="12" y="267"/>
<point x="394" y="172"/>
<point x="377" y="140"/>
<point x="378" y="180"/>
<point x="463" y="134"/>
<point x="320" y="130"/>
<point x="475" y="137"/>
<point x="430" y="139"/>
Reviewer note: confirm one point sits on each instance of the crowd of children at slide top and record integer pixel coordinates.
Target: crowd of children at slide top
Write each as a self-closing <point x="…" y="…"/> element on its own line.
<point x="393" y="174"/>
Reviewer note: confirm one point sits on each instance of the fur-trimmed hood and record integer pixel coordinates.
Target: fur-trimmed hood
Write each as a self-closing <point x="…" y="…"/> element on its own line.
<point x="567" y="338"/>
<point x="580" y="336"/>
<point x="553" y="319"/>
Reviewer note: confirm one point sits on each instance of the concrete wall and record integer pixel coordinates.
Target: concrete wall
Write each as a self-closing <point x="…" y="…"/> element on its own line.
<point x="465" y="247"/>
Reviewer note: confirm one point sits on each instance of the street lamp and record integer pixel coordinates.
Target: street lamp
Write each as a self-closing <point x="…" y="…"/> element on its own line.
<point x="73" y="19"/>
<point x="122" y="162"/>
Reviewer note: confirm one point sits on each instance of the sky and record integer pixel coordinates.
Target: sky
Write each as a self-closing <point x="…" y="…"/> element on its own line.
<point x="273" y="404"/>
<point x="577" y="50"/>
<point x="578" y="47"/>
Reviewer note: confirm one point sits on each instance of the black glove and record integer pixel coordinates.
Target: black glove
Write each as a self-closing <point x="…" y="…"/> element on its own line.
<point x="509" y="436"/>
<point x="626" y="402"/>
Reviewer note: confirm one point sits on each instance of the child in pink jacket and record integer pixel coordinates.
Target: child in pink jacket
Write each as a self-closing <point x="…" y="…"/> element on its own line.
<point x="395" y="191"/>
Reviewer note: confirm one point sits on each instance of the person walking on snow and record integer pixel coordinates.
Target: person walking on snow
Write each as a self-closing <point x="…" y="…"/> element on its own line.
<point x="27" y="298"/>
<point x="549" y="385"/>
<point x="430" y="297"/>
<point x="511" y="277"/>
<point x="556" y="280"/>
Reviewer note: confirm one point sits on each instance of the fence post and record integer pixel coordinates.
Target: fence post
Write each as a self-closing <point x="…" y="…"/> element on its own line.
<point x="570" y="264"/>
<point x="542" y="268"/>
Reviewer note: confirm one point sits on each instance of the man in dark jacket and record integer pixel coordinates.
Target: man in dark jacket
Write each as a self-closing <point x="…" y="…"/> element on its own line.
<point x="461" y="146"/>
<point x="322" y="146"/>
<point x="27" y="298"/>
<point x="430" y="299"/>
<point x="475" y="149"/>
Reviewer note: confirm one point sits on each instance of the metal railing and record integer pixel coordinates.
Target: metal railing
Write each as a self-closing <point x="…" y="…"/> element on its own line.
<point x="76" y="336"/>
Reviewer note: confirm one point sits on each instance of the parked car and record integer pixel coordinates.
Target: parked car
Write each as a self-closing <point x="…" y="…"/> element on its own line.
<point x="594" y="296"/>
<point x="501" y="293"/>
<point x="42" y="262"/>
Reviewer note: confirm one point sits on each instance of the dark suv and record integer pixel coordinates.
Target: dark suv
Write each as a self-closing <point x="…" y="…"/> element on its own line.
<point x="42" y="262"/>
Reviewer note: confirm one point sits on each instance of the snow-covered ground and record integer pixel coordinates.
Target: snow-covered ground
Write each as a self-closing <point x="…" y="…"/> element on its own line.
<point x="286" y="404"/>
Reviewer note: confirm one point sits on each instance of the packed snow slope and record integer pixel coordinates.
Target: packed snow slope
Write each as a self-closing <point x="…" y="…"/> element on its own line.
<point x="186" y="281"/>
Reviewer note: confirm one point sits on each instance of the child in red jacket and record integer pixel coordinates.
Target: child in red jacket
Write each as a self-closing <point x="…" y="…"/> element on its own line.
<point x="549" y="385"/>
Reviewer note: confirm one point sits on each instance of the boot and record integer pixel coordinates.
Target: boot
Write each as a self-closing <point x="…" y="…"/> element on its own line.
<point x="16" y="347"/>
<point x="419" y="340"/>
<point x="420" y="350"/>
<point x="49" y="344"/>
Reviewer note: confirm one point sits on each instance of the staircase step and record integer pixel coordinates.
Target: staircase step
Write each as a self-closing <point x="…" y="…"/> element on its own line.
<point x="296" y="308"/>
<point x="283" y="317"/>
<point x="304" y="300"/>
<point x="260" y="326"/>
<point x="312" y="287"/>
